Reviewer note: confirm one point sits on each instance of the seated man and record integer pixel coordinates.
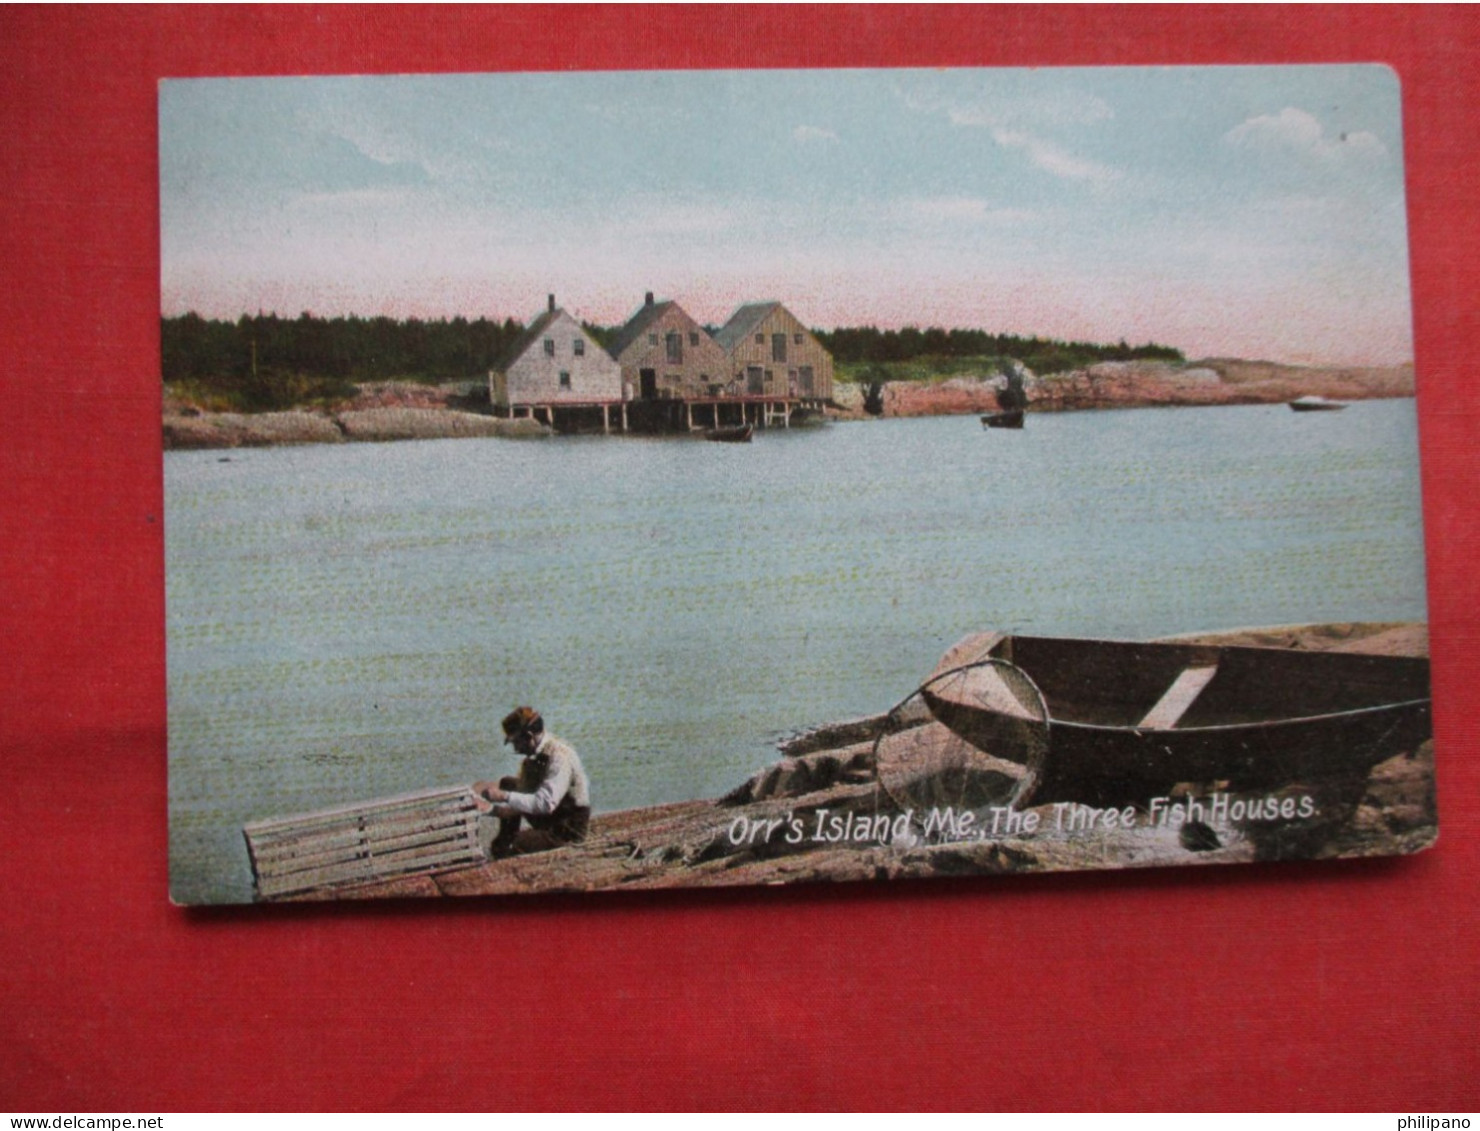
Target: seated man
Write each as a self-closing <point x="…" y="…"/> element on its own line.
<point x="550" y="791"/>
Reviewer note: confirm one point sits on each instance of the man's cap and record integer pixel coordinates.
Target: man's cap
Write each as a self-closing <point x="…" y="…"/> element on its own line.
<point x="522" y="720"/>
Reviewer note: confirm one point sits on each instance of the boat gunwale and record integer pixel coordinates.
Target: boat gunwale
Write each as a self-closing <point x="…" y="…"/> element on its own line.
<point x="1188" y="641"/>
<point x="1262" y="724"/>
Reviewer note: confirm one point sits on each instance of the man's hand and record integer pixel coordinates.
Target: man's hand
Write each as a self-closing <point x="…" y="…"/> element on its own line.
<point x="488" y="794"/>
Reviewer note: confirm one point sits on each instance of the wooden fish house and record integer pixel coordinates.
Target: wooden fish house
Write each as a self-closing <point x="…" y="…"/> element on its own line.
<point x="773" y="355"/>
<point x="557" y="371"/>
<point x="666" y="355"/>
<point x="663" y="372"/>
<point x="412" y="834"/>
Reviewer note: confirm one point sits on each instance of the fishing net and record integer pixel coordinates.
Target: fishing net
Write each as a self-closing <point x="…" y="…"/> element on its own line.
<point x="972" y="738"/>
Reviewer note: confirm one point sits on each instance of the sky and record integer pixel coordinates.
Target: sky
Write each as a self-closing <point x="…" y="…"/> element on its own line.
<point x="1252" y="212"/>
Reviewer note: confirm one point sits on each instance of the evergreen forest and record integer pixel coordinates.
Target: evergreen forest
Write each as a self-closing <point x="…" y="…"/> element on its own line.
<point x="267" y="361"/>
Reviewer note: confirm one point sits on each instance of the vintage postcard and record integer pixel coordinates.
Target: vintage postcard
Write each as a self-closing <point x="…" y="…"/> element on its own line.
<point x="594" y="481"/>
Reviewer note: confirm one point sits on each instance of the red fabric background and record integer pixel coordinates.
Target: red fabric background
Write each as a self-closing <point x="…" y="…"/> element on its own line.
<point x="1346" y="985"/>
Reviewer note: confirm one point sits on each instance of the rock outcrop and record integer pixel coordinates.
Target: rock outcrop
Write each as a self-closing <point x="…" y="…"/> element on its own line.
<point x="1214" y="381"/>
<point x="1136" y="384"/>
<point x="376" y="424"/>
<point x="954" y="396"/>
<point x="249" y="430"/>
<point x="273" y="429"/>
<point x="379" y="411"/>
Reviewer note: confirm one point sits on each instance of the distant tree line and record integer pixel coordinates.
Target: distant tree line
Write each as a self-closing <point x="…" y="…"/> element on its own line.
<point x="343" y="349"/>
<point x="266" y="360"/>
<point x="854" y="344"/>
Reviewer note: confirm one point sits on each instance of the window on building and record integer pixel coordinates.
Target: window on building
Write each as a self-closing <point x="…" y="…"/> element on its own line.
<point x="693" y="337"/>
<point x="652" y="339"/>
<point x="808" y="383"/>
<point x="675" y="348"/>
<point x="778" y="347"/>
<point x="796" y="339"/>
<point x="564" y="379"/>
<point x="578" y="345"/>
<point x="760" y="339"/>
<point x="549" y="347"/>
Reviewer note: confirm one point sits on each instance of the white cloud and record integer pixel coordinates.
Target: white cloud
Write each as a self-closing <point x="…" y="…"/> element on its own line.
<point x="1021" y="123"/>
<point x="1055" y="159"/>
<point x="808" y="134"/>
<point x="1301" y="132"/>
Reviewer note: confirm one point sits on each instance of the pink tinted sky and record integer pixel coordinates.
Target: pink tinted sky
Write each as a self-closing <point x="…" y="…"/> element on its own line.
<point x="1239" y="211"/>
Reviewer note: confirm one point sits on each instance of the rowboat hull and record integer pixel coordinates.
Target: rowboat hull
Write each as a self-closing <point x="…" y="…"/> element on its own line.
<point x="1112" y="766"/>
<point x="1119" y="731"/>
<point x="1011" y="418"/>
<point x="738" y="435"/>
<point x="1316" y="404"/>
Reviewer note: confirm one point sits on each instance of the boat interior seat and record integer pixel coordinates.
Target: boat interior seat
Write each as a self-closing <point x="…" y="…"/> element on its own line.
<point x="1179" y="698"/>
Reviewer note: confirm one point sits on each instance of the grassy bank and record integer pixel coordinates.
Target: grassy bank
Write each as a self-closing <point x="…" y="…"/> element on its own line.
<point x="262" y="393"/>
<point x="921" y="369"/>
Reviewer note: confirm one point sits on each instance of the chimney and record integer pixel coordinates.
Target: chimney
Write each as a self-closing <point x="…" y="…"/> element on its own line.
<point x="649" y="300"/>
<point x="552" y="304"/>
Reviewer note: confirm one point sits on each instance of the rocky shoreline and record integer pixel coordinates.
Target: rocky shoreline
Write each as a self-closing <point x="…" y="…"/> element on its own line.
<point x="827" y="775"/>
<point x="276" y="429"/>
<point x="387" y="410"/>
<point x="405" y="411"/>
<point x="1138" y="384"/>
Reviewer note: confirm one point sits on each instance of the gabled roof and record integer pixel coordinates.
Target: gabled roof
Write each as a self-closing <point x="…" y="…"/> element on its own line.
<point x="646" y="315"/>
<point x="743" y="323"/>
<point x="536" y="330"/>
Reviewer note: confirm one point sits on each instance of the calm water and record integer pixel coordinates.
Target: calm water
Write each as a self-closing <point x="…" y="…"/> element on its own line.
<point x="351" y="621"/>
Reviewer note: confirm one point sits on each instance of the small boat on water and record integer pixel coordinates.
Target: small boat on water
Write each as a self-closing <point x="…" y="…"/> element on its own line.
<point x="739" y="434"/>
<point x="1012" y="399"/>
<point x="1013" y="418"/>
<point x="1316" y="404"/>
<point x="1104" y="722"/>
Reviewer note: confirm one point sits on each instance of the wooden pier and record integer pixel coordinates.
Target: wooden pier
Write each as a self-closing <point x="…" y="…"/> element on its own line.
<point x="667" y="414"/>
<point x="546" y="411"/>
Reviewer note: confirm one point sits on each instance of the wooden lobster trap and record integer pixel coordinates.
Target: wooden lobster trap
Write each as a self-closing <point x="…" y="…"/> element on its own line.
<point x="413" y="834"/>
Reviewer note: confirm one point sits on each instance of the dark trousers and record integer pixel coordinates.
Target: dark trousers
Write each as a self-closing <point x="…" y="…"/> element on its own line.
<point x="567" y="825"/>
